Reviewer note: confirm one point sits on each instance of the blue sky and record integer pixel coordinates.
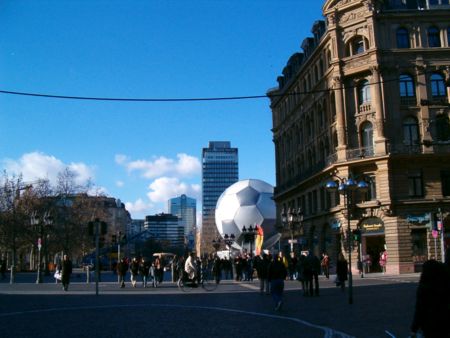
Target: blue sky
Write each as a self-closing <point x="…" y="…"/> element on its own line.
<point x="142" y="152"/>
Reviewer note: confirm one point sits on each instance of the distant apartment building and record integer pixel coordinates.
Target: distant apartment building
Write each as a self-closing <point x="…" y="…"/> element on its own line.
<point x="166" y="229"/>
<point x="220" y="169"/>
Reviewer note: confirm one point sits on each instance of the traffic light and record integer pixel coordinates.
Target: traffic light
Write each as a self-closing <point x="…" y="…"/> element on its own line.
<point x="356" y="235"/>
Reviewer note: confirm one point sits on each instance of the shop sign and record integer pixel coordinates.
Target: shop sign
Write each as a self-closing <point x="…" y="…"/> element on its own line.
<point x="372" y="225"/>
<point x="421" y="219"/>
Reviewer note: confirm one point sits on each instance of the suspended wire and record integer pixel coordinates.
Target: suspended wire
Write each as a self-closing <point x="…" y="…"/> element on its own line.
<point x="193" y="99"/>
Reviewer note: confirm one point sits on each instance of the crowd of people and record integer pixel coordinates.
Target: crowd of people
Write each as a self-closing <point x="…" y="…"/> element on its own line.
<point x="149" y="272"/>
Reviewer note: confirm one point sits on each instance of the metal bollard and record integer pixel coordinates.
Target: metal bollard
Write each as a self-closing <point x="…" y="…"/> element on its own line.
<point x="12" y="275"/>
<point x="88" y="274"/>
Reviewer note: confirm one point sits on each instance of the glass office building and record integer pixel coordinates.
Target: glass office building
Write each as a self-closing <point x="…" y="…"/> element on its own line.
<point x="219" y="170"/>
<point x="185" y="208"/>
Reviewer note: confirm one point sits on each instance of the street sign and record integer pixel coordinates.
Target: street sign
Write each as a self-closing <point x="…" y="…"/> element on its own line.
<point x="434" y="233"/>
<point x="292" y="241"/>
<point x="39" y="244"/>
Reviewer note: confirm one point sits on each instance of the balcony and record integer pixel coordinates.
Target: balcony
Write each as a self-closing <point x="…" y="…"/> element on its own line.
<point x="405" y="149"/>
<point x="365" y="108"/>
<point x="359" y="153"/>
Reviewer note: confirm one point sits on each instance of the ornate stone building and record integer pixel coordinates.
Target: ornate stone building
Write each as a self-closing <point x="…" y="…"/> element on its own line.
<point x="368" y="98"/>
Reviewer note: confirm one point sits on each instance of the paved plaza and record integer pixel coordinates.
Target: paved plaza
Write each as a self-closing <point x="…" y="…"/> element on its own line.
<point x="383" y="307"/>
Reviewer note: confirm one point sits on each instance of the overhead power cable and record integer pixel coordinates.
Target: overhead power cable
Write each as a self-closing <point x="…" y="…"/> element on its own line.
<point x="193" y="99"/>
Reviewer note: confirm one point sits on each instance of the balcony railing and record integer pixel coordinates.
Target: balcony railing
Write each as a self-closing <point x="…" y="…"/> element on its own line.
<point x="404" y="149"/>
<point x="365" y="108"/>
<point x="362" y="152"/>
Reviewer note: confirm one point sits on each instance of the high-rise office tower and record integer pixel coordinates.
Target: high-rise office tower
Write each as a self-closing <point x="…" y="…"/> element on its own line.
<point x="219" y="170"/>
<point x="185" y="208"/>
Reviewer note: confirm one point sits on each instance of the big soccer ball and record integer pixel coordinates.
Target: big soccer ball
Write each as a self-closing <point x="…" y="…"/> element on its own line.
<point x="245" y="203"/>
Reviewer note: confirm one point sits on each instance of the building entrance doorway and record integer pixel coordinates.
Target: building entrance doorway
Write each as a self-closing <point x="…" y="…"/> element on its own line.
<point x="374" y="245"/>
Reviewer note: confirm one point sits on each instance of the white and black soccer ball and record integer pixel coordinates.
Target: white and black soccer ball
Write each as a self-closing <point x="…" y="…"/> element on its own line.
<point x="245" y="203"/>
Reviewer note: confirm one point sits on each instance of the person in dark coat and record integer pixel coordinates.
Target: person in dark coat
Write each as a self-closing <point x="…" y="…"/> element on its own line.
<point x="134" y="269"/>
<point x="217" y="269"/>
<point x="432" y="310"/>
<point x="341" y="271"/>
<point x="307" y="275"/>
<point x="144" y="269"/>
<point x="3" y="268"/>
<point x="262" y="270"/>
<point x="122" y="269"/>
<point x="66" y="271"/>
<point x="314" y="263"/>
<point x="277" y="275"/>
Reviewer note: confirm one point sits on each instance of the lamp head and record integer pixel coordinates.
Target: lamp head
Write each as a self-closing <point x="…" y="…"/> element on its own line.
<point x="331" y="186"/>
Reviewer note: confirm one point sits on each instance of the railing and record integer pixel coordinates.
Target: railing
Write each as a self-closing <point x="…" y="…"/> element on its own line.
<point x="365" y="108"/>
<point x="401" y="148"/>
<point x="408" y="101"/>
<point x="362" y="152"/>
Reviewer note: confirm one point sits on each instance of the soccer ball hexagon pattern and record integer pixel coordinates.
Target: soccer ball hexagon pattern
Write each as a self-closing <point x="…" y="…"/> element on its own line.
<point x="245" y="203"/>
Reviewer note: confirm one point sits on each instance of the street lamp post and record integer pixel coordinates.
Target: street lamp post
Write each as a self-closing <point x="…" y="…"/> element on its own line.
<point x="229" y="240"/>
<point x="348" y="187"/>
<point x="440" y="228"/>
<point x="249" y="235"/>
<point x="292" y="218"/>
<point x="36" y="222"/>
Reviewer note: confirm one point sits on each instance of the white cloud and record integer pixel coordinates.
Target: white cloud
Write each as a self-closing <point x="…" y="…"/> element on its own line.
<point x="164" y="188"/>
<point x="120" y="184"/>
<point x="139" y="206"/>
<point x="184" y="166"/>
<point x="37" y="165"/>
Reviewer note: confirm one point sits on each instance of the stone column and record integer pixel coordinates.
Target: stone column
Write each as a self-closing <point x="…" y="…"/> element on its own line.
<point x="377" y="105"/>
<point x="340" y="118"/>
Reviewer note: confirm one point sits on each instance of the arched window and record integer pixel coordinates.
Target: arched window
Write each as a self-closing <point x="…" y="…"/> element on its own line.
<point x="433" y="37"/>
<point x="410" y="131"/>
<point x="437" y="85"/>
<point x="442" y="127"/>
<point x="356" y="46"/>
<point x="402" y="38"/>
<point x="363" y="92"/>
<point x="367" y="135"/>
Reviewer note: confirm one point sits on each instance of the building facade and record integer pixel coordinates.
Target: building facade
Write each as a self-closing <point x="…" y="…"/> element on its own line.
<point x="368" y="98"/>
<point x="166" y="229"/>
<point x="220" y="169"/>
<point x="185" y="208"/>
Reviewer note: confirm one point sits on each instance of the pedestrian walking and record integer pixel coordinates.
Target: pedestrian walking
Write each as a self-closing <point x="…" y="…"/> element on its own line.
<point x="277" y="275"/>
<point x="432" y="310"/>
<point x="314" y="263"/>
<point x="3" y="268"/>
<point x="66" y="272"/>
<point x="293" y="266"/>
<point x="383" y="261"/>
<point x="217" y="269"/>
<point x="134" y="269"/>
<point x="262" y="270"/>
<point x="325" y="264"/>
<point x="341" y="271"/>
<point x="307" y="275"/>
<point x="144" y="269"/>
<point x="122" y="269"/>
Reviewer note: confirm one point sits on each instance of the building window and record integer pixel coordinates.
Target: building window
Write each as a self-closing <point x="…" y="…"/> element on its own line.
<point x="410" y="132"/>
<point x="438" y="89"/>
<point x="433" y="37"/>
<point x="442" y="127"/>
<point x="356" y="46"/>
<point x="363" y="92"/>
<point x="448" y="36"/>
<point x="372" y="192"/>
<point x="367" y="135"/>
<point x="445" y="179"/>
<point x="407" y="91"/>
<point x="415" y="184"/>
<point x="402" y="38"/>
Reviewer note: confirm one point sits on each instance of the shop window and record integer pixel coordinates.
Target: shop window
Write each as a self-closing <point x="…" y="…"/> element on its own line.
<point x="445" y="181"/>
<point x="434" y="39"/>
<point x="442" y="127"/>
<point x="402" y="38"/>
<point x="419" y="247"/>
<point x="438" y="89"/>
<point x="363" y="92"/>
<point x="415" y="183"/>
<point x="407" y="89"/>
<point x="410" y="132"/>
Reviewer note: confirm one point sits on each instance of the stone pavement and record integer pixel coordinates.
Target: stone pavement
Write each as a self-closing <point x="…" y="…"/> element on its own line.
<point x="383" y="307"/>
